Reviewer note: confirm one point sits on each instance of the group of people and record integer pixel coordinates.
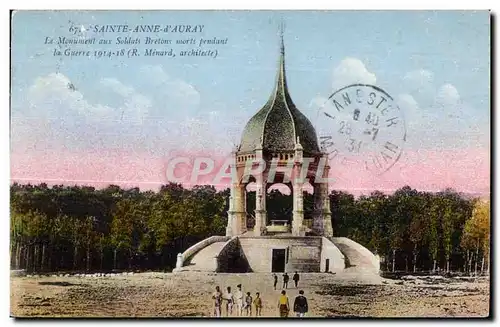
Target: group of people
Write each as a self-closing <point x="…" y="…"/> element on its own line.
<point x="286" y="278"/>
<point x="300" y="306"/>
<point x="242" y="302"/>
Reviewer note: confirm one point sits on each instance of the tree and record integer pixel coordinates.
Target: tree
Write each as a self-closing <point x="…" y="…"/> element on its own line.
<point x="476" y="236"/>
<point x="79" y="227"/>
<point x="122" y="229"/>
<point x="401" y="212"/>
<point x="342" y="206"/>
<point x="18" y="236"/>
<point x="433" y="233"/>
<point x="88" y="225"/>
<point x="419" y="227"/>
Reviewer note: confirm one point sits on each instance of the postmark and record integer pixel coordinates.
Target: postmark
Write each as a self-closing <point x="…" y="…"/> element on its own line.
<point x="365" y="127"/>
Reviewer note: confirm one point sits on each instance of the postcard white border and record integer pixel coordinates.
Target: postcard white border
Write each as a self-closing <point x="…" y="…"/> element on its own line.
<point x="185" y="4"/>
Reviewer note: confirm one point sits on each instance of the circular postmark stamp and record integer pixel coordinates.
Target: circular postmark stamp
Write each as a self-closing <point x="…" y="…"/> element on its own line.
<point x="364" y="126"/>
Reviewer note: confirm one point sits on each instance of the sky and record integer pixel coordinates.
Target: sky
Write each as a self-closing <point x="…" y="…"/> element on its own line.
<point x="99" y="121"/>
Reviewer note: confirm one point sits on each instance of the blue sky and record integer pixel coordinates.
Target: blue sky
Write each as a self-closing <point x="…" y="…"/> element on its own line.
<point x="435" y="63"/>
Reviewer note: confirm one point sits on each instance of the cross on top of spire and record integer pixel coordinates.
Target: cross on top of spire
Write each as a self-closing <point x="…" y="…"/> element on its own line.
<point x="281" y="32"/>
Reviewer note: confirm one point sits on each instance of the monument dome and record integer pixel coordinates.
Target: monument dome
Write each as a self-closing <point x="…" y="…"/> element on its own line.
<point x="277" y="126"/>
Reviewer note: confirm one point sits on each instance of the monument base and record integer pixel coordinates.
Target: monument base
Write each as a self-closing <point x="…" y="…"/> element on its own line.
<point x="280" y="253"/>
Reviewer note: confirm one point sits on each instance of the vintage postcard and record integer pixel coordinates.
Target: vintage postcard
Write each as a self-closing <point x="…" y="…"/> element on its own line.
<point x="246" y="164"/>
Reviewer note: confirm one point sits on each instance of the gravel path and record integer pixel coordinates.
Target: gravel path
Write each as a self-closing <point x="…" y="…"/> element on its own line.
<point x="351" y="293"/>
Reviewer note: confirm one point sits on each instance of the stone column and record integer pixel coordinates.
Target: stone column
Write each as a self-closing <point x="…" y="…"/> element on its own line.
<point x="179" y="262"/>
<point x="298" y="203"/>
<point x="298" y="195"/>
<point x="322" y="217"/>
<point x="230" y="215"/>
<point x="237" y="219"/>
<point x="298" y="210"/>
<point x="216" y="264"/>
<point x="260" y="209"/>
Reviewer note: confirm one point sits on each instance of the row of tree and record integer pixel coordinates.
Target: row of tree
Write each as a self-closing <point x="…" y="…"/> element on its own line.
<point x="85" y="229"/>
<point x="413" y="230"/>
<point x="81" y="228"/>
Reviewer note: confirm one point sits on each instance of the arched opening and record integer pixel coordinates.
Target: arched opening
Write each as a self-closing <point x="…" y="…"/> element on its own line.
<point x="279" y="203"/>
<point x="307" y="187"/>
<point x="282" y="188"/>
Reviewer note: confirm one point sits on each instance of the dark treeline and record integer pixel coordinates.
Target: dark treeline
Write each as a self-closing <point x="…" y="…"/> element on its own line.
<point x="74" y="228"/>
<point x="414" y="231"/>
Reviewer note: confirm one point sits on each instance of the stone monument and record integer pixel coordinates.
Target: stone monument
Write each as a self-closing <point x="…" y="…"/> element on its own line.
<point x="283" y="142"/>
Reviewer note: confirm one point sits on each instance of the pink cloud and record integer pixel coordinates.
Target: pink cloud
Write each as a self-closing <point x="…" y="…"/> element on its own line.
<point x="466" y="170"/>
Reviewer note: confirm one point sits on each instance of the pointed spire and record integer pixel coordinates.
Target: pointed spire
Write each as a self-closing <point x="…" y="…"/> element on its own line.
<point x="282" y="44"/>
<point x="278" y="123"/>
<point x="281" y="67"/>
<point x="281" y="87"/>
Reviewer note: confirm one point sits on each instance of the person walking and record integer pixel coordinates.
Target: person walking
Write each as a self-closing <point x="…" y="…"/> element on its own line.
<point x="248" y="304"/>
<point x="258" y="304"/>
<point x="238" y="295"/>
<point x="217" y="297"/>
<point x="275" y="281"/>
<point x="285" y="280"/>
<point x="229" y="302"/>
<point x="283" y="305"/>
<point x="300" y="306"/>
<point x="296" y="279"/>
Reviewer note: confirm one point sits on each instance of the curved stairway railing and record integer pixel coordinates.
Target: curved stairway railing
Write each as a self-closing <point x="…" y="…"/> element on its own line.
<point x="357" y="254"/>
<point x="186" y="255"/>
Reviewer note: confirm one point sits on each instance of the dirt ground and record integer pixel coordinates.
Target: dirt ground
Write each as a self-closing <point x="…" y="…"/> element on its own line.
<point x="347" y="294"/>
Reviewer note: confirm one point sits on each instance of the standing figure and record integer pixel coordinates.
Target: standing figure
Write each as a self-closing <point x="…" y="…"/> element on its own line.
<point x="239" y="300"/>
<point x="217" y="297"/>
<point x="248" y="304"/>
<point x="285" y="280"/>
<point x="283" y="305"/>
<point x="258" y="304"/>
<point x="300" y="306"/>
<point x="275" y="281"/>
<point x="296" y="279"/>
<point x="229" y="302"/>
